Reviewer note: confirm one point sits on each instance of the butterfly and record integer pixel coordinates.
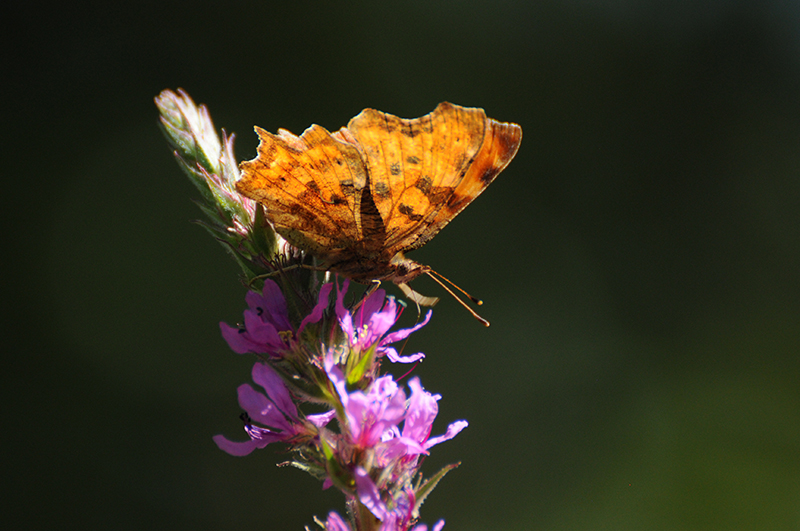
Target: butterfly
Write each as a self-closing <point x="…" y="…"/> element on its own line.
<point x="358" y="199"/>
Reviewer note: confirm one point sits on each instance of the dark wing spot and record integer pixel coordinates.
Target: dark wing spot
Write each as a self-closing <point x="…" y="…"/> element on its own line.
<point x="298" y="210"/>
<point x="387" y="125"/>
<point x="409" y="212"/>
<point x="339" y="162"/>
<point x="438" y="194"/>
<point x="424" y="184"/>
<point x="395" y="168"/>
<point x="412" y="160"/>
<point x="307" y="196"/>
<point x="509" y="139"/>
<point x="268" y="152"/>
<point x="337" y="200"/>
<point x="456" y="202"/>
<point x="305" y="220"/>
<point x="381" y="189"/>
<point x="464" y="165"/>
<point x="313" y="186"/>
<point x="410" y="131"/>
<point x="489" y="174"/>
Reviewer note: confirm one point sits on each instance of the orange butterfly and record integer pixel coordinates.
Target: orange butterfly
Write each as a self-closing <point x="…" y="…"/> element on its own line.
<point x="359" y="198"/>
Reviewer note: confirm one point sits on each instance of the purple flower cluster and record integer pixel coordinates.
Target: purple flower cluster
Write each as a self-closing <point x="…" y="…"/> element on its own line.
<point x="372" y="452"/>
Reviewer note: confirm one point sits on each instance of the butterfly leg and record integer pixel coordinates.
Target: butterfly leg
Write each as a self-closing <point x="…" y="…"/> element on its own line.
<point x="374" y="285"/>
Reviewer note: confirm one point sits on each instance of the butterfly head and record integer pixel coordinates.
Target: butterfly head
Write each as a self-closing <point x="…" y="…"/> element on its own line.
<point x="404" y="270"/>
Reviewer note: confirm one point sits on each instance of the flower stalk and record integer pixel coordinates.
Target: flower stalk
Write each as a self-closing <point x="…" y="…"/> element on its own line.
<point x="318" y="348"/>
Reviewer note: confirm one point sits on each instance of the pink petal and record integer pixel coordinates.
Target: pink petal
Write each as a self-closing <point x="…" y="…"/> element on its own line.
<point x="261" y="332"/>
<point x="394" y="357"/>
<point x="422" y="410"/>
<point x="402" y="334"/>
<point x="322" y="304"/>
<point x="368" y="494"/>
<point x="335" y="523"/>
<point x="321" y="419"/>
<point x="236" y="339"/>
<point x="261" y="409"/>
<point x="275" y="387"/>
<point x="275" y="305"/>
<point x="238" y="449"/>
<point x="340" y="293"/>
<point x="368" y="308"/>
<point x="452" y="430"/>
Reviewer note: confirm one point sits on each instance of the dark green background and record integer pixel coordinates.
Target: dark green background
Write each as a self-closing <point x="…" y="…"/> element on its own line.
<point x="639" y="259"/>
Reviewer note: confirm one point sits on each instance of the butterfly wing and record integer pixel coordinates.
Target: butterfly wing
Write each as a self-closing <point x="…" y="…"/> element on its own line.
<point x="312" y="187"/>
<point x="424" y="171"/>
<point x="500" y="144"/>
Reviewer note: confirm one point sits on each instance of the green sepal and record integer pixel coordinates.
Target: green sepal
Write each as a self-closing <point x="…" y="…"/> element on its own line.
<point x="195" y="176"/>
<point x="340" y="477"/>
<point x="427" y="487"/>
<point x="216" y="215"/>
<point x="263" y="236"/>
<point x="305" y="386"/>
<point x="314" y="470"/>
<point x="356" y="373"/>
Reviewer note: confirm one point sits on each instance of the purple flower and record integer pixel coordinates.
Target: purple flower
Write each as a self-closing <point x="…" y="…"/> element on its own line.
<point x="403" y="446"/>
<point x="422" y="410"/>
<point x="275" y="411"/>
<point x="267" y="329"/>
<point x="373" y="416"/>
<point x="399" y="516"/>
<point x="369" y="324"/>
<point x="368" y="414"/>
<point x="337" y="523"/>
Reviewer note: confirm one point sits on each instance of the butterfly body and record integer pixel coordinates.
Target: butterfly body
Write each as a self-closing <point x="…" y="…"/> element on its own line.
<point x="365" y="269"/>
<point x="361" y="197"/>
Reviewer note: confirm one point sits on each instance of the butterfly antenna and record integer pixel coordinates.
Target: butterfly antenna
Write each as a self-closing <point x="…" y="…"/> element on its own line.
<point x="456" y="297"/>
<point x="467" y="295"/>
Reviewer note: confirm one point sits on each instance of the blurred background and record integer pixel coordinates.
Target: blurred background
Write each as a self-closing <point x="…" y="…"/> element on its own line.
<point x="638" y="259"/>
